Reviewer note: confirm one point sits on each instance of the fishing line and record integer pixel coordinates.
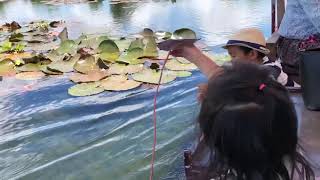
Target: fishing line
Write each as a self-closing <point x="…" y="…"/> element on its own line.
<point x="155" y="119"/>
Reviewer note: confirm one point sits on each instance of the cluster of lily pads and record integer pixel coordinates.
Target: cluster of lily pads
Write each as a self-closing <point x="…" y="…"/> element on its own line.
<point x="95" y="63"/>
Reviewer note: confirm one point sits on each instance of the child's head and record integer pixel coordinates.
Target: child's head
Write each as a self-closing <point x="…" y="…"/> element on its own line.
<point x="249" y="122"/>
<point x="248" y="44"/>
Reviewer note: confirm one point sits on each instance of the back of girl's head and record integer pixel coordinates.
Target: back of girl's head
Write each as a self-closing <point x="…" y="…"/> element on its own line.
<point x="249" y="122"/>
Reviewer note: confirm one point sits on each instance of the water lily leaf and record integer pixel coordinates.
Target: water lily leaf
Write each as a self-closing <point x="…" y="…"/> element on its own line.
<point x="163" y="35"/>
<point x="108" y="46"/>
<point x="54" y="56"/>
<point x="184" y="33"/>
<point x="30" y="67"/>
<point x="67" y="46"/>
<point x="45" y="70"/>
<point x="42" y="47"/>
<point x="131" y="56"/>
<point x="182" y="60"/>
<point x="6" y="46"/>
<point x="85" y="89"/>
<point x="91" y="42"/>
<point x="147" y="32"/>
<point x="125" y="69"/>
<point x="175" y="65"/>
<point x="123" y="44"/>
<point x="64" y="66"/>
<point x="19" y="48"/>
<point x="92" y="76"/>
<point x="119" y="83"/>
<point x="10" y="26"/>
<point x="63" y="35"/>
<point x="152" y="76"/>
<point x="150" y="50"/>
<point x="15" y="56"/>
<point x="7" y="68"/>
<point x="138" y="43"/>
<point x="86" y="65"/>
<point x="16" y="37"/>
<point x="181" y="73"/>
<point x="30" y="75"/>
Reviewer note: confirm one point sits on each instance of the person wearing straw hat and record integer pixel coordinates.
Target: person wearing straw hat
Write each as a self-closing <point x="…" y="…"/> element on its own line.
<point x="250" y="44"/>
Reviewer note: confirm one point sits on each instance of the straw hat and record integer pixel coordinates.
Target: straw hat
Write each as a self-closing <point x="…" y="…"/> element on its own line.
<point x="251" y="38"/>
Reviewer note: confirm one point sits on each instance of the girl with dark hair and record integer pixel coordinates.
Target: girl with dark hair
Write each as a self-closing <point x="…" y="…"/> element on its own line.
<point x="248" y="122"/>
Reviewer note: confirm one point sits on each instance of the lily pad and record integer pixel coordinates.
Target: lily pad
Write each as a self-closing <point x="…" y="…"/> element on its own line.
<point x="64" y="66"/>
<point x="85" y="89"/>
<point x="163" y="35"/>
<point x="119" y="83"/>
<point x="125" y="69"/>
<point x="184" y="33"/>
<point x="45" y="70"/>
<point x="147" y="32"/>
<point x="152" y="76"/>
<point x="42" y="46"/>
<point x="7" y="68"/>
<point x="91" y="42"/>
<point x="123" y="44"/>
<point x="150" y="50"/>
<point x="54" y="56"/>
<point x="16" y="37"/>
<point x="86" y="65"/>
<point x="138" y="43"/>
<point x="92" y="76"/>
<point x="67" y="46"/>
<point x="181" y="73"/>
<point x="30" y="75"/>
<point x="132" y="56"/>
<point x="30" y="67"/>
<point x="175" y="65"/>
<point x="15" y="56"/>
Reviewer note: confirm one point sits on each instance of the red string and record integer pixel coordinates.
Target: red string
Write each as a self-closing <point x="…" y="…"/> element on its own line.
<point x="155" y="120"/>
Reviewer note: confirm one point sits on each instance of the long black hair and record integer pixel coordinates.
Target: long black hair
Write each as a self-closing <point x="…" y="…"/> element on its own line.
<point x="250" y="125"/>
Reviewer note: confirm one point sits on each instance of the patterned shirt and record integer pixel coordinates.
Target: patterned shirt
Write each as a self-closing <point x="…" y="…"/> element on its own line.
<point x="301" y="19"/>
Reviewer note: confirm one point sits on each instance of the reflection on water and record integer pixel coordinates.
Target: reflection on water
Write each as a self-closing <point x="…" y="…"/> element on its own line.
<point x="46" y="134"/>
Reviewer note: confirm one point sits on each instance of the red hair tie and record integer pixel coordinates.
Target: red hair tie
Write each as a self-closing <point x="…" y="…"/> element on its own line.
<point x="262" y="86"/>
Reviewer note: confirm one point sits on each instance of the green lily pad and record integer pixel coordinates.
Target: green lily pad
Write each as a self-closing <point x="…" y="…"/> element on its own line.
<point x="163" y="35"/>
<point x="91" y="42"/>
<point x="181" y="73"/>
<point x="119" y="83"/>
<point x="85" y="89"/>
<point x="150" y="50"/>
<point x="64" y="66"/>
<point x="138" y="43"/>
<point x="7" y="68"/>
<point x="108" y="46"/>
<point x="45" y="70"/>
<point x="30" y="67"/>
<point x="184" y="33"/>
<point x="6" y="46"/>
<point x="147" y="32"/>
<point x="86" y="65"/>
<point x="125" y="69"/>
<point x="152" y="76"/>
<point x="30" y="75"/>
<point x="132" y="56"/>
<point x="67" y="46"/>
<point x="54" y="56"/>
<point x="16" y="37"/>
<point x="123" y="44"/>
<point x="175" y="65"/>
<point x="92" y="76"/>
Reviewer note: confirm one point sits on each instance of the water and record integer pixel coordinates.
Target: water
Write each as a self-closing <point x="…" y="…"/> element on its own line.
<point x="47" y="134"/>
